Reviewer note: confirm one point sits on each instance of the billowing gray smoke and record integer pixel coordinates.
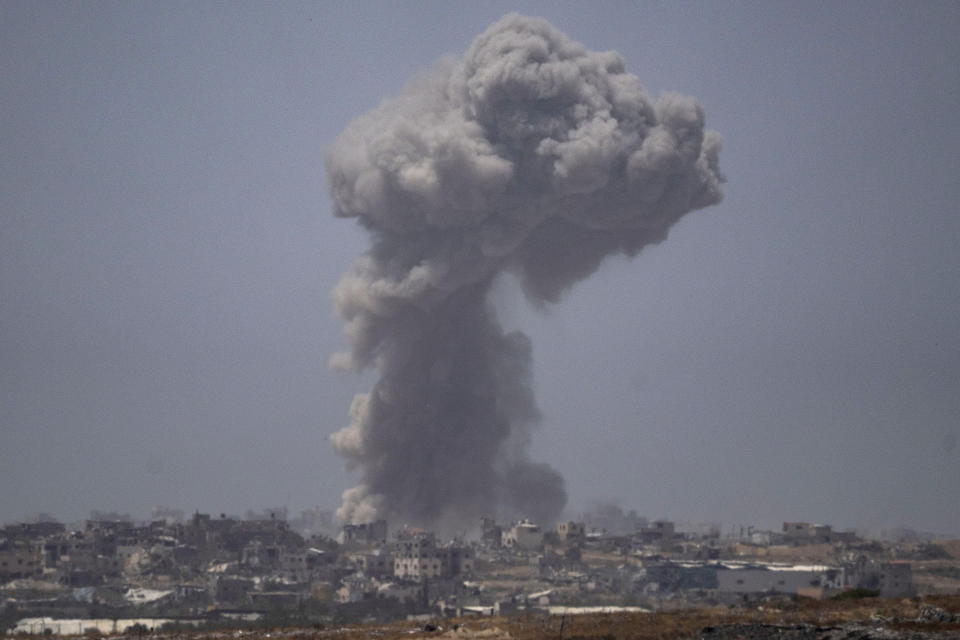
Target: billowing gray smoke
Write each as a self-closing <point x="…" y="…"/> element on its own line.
<point x="529" y="154"/>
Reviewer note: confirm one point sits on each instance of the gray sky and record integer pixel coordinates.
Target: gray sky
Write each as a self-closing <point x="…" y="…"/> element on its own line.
<point x="167" y="254"/>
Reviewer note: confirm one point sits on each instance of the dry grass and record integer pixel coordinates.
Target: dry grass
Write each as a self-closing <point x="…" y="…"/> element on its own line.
<point x="687" y="623"/>
<point x="675" y="625"/>
<point x="672" y="625"/>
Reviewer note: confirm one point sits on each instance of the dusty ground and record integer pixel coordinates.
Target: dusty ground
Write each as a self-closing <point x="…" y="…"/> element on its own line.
<point x="936" y="577"/>
<point x="952" y="547"/>
<point x="807" y="554"/>
<point x="928" y="618"/>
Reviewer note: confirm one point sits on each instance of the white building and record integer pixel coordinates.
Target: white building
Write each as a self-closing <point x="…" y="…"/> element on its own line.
<point x="778" y="578"/>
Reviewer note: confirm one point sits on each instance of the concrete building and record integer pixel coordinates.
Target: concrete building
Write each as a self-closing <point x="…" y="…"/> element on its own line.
<point x="896" y="579"/>
<point x="796" y="530"/>
<point x="778" y="579"/>
<point x="891" y="579"/>
<point x="523" y="535"/>
<point x="18" y="560"/>
<point x="401" y="591"/>
<point x="660" y="532"/>
<point x="675" y="576"/>
<point x="366" y="534"/>
<point x="491" y="534"/>
<point x="356" y="588"/>
<point x="572" y="531"/>
<point x="420" y="558"/>
<point x="377" y="563"/>
<point x="232" y="589"/>
<point x="133" y="557"/>
<point x="257" y="555"/>
<point x="294" y="565"/>
<point x="31" y="530"/>
<point x="806" y="533"/>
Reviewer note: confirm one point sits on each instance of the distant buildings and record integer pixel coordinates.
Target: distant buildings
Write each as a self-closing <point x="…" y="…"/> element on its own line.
<point x="229" y="567"/>
<point x="805" y="533"/>
<point x="889" y="579"/>
<point x="660" y="532"/>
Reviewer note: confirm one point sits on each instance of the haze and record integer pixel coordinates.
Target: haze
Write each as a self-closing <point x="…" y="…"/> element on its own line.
<point x="168" y="252"/>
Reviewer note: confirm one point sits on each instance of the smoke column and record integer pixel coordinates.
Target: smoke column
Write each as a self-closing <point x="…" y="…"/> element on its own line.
<point x="529" y="154"/>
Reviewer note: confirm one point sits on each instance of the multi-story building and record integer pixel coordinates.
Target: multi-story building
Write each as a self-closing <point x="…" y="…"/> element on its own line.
<point x="491" y="534"/>
<point x="377" y="563"/>
<point x="420" y="558"/>
<point x="18" y="560"/>
<point x="366" y="534"/>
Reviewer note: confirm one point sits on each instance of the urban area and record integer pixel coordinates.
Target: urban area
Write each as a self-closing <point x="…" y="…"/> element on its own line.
<point x="112" y="574"/>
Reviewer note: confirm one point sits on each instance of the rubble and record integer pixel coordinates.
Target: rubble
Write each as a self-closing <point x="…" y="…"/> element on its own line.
<point x="805" y="632"/>
<point x="936" y="614"/>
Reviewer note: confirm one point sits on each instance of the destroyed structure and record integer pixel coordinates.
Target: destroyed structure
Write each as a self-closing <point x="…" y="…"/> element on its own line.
<point x="222" y="568"/>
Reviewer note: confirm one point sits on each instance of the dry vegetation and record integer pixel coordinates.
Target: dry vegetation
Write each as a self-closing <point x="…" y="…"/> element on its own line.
<point x="688" y="623"/>
<point x="895" y="615"/>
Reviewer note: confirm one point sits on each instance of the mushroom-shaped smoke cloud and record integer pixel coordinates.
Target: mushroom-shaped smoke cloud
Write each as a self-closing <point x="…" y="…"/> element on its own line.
<point x="529" y="154"/>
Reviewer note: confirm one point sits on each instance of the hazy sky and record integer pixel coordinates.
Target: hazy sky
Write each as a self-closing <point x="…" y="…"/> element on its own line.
<point x="167" y="252"/>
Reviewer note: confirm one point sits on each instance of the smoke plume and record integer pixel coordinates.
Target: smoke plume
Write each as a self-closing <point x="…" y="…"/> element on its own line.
<point x="529" y="154"/>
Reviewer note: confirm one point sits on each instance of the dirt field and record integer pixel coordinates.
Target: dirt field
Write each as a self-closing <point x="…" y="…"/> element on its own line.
<point x="831" y="620"/>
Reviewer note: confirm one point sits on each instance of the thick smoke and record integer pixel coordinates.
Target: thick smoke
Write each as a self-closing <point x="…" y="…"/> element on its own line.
<point x="529" y="154"/>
